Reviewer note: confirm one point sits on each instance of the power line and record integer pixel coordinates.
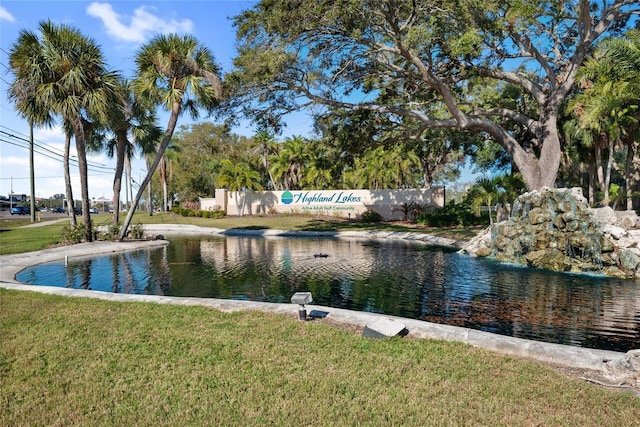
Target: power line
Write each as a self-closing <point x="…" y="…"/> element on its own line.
<point x="43" y="147"/>
<point x="102" y="170"/>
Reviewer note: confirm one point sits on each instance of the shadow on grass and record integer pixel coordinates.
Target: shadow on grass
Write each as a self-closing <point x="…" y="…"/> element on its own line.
<point x="251" y="227"/>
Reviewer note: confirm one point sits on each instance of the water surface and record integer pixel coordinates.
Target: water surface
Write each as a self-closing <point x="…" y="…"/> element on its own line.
<point x="400" y="278"/>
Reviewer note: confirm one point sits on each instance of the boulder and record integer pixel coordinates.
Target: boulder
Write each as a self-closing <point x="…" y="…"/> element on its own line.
<point x="604" y="215"/>
<point x="614" y="231"/>
<point x="627" y="219"/>
<point x="628" y="260"/>
<point x="625" y="370"/>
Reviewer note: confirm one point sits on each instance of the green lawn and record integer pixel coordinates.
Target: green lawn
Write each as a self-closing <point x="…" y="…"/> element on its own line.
<point x="79" y="361"/>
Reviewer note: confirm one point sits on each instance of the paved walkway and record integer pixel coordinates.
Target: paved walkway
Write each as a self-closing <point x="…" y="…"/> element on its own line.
<point x="43" y="223"/>
<point x="562" y="355"/>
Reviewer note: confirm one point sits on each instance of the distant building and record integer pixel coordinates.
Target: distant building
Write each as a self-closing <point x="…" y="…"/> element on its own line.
<point x="6" y="202"/>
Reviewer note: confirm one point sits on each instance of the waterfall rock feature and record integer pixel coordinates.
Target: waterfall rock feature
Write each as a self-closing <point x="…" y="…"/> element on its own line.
<point x="554" y="229"/>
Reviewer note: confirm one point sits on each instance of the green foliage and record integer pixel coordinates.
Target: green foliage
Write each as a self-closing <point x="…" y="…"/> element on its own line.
<point x="293" y="55"/>
<point x="112" y="231"/>
<point x="187" y="212"/>
<point x="137" y="231"/>
<point x="451" y="215"/>
<point x="371" y="216"/>
<point x="73" y="235"/>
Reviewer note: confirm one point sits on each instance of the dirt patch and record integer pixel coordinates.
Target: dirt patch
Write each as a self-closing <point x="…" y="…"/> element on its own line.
<point x="597" y="378"/>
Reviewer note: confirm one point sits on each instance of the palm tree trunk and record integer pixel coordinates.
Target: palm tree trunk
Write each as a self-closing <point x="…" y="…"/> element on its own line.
<point x="163" y="182"/>
<point x="128" y="192"/>
<point x="67" y="180"/>
<point x="149" y="196"/>
<point x="627" y="174"/>
<point x="635" y="176"/>
<point x="147" y="159"/>
<point x="173" y="120"/>
<point x="84" y="179"/>
<point x="592" y="183"/>
<point x="607" y="177"/>
<point x="117" y="179"/>
<point x="165" y="196"/>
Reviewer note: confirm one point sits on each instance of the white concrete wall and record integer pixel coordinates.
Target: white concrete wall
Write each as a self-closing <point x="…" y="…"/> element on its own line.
<point x="341" y="203"/>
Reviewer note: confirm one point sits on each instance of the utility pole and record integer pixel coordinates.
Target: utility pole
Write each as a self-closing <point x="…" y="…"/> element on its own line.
<point x="32" y="173"/>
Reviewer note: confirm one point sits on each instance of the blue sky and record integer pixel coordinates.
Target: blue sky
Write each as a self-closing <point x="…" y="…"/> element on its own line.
<point x="120" y="28"/>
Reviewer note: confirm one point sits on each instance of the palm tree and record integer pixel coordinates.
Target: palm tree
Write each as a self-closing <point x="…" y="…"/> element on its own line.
<point x="610" y="100"/>
<point x="485" y="191"/>
<point x="238" y="177"/>
<point x="63" y="73"/>
<point x="580" y="150"/>
<point x="166" y="173"/>
<point x="266" y="144"/>
<point x="290" y="161"/>
<point x="27" y="62"/>
<point x="129" y="118"/>
<point x="181" y="75"/>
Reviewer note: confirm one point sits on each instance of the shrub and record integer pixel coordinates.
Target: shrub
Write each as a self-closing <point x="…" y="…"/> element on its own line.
<point x="112" y="231"/>
<point x="451" y="215"/>
<point x="197" y="213"/>
<point x="371" y="216"/>
<point x="137" y="231"/>
<point x="73" y="234"/>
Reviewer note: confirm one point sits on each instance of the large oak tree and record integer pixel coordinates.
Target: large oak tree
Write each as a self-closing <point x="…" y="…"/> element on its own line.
<point x="419" y="62"/>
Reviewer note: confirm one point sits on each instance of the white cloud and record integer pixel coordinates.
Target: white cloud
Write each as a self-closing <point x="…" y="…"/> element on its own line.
<point x="5" y="15"/>
<point x="140" y="26"/>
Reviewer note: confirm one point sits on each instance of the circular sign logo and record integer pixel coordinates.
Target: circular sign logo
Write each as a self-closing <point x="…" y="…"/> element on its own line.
<point x="287" y="197"/>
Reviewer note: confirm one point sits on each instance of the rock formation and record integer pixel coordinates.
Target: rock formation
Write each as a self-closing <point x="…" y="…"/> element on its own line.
<point x="555" y="229"/>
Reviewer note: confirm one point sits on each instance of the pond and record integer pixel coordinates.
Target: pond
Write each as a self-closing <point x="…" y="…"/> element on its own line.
<point x="400" y="278"/>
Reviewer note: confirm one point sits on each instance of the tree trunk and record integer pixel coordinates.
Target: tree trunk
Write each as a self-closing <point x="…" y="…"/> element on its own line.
<point x="149" y="189"/>
<point x="173" y="120"/>
<point x="536" y="172"/>
<point x="599" y="169"/>
<point x="117" y="179"/>
<point x="81" y="135"/>
<point x="165" y="196"/>
<point x="592" y="183"/>
<point x="163" y="182"/>
<point x="67" y="180"/>
<point x="607" y="177"/>
<point x="128" y="185"/>
<point x="149" y="196"/>
<point x="635" y="176"/>
<point x="627" y="175"/>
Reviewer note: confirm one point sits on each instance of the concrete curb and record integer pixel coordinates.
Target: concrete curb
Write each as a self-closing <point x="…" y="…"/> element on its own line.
<point x="562" y="355"/>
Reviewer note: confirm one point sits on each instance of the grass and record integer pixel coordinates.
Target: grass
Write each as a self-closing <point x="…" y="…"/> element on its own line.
<point x="15" y="240"/>
<point x="77" y="361"/>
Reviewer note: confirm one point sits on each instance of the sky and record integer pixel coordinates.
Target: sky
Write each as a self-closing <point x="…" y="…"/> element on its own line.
<point x="120" y="28"/>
